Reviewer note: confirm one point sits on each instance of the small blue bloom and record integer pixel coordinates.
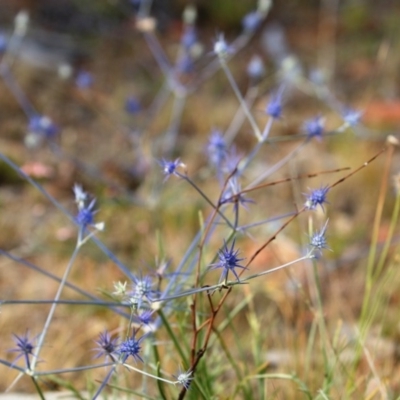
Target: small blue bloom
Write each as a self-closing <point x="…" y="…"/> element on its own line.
<point x="318" y="240"/>
<point x="251" y="21"/>
<point x="142" y="290"/>
<point x="233" y="195"/>
<point x="84" y="80"/>
<point x="42" y="126"/>
<point x="185" y="64"/>
<point x="316" y="198"/>
<point x="274" y="107"/>
<point x="170" y="167"/>
<point x="106" y="345"/>
<point x="221" y="47"/>
<point x="315" y="127"/>
<point x="24" y="347"/>
<point x="189" y="37"/>
<point x="232" y="160"/>
<point x="145" y="317"/>
<point x="351" y="117"/>
<point x="132" y="105"/>
<point x="228" y="261"/>
<point x="184" y="379"/>
<point x="130" y="347"/>
<point x="256" y="68"/>
<point x="217" y="148"/>
<point x="86" y="214"/>
<point x="3" y="43"/>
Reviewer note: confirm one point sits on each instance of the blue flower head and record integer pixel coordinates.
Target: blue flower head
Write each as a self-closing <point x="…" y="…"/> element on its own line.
<point x="142" y="290"/>
<point x="86" y="212"/>
<point x="42" y="126"/>
<point x="351" y="117"/>
<point x="185" y="64"/>
<point x="315" y="127"/>
<point x="274" y="107"/>
<point x="189" y="37"/>
<point x="184" y="378"/>
<point x="316" y="198"/>
<point x="3" y="43"/>
<point x="132" y="105"/>
<point x="24" y="347"/>
<point x="145" y="317"/>
<point x="107" y="346"/>
<point x="221" y="47"/>
<point x="256" y="68"/>
<point x="233" y="195"/>
<point x="251" y="21"/>
<point x="217" y="149"/>
<point x="84" y="80"/>
<point x="130" y="347"/>
<point x="318" y="240"/>
<point x="170" y="167"/>
<point x="228" y="261"/>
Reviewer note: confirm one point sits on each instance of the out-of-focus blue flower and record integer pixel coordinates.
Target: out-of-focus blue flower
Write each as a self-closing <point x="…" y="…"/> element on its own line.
<point x="107" y="346"/>
<point x="217" y="149"/>
<point x="274" y="107"/>
<point x="3" y="43"/>
<point x="84" y="80"/>
<point x="145" y="317"/>
<point x="256" y="68"/>
<point x="86" y="212"/>
<point x="316" y="198"/>
<point x="142" y="290"/>
<point x="24" y="347"/>
<point x="233" y="195"/>
<point x="315" y="127"/>
<point x="221" y="47"/>
<point x="228" y="261"/>
<point x="251" y="21"/>
<point x="170" y="167"/>
<point x="351" y="117"/>
<point x="42" y="126"/>
<point x="185" y="64"/>
<point x="132" y="105"/>
<point x="189" y="37"/>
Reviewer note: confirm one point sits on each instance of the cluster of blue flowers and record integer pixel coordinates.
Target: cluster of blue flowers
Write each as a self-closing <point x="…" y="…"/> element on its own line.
<point x="147" y="302"/>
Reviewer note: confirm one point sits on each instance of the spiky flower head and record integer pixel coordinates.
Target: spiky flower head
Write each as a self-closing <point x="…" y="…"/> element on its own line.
<point x="274" y="107"/>
<point x="184" y="378"/>
<point x="130" y="348"/>
<point x="234" y="195"/>
<point x="316" y="198"/>
<point x="86" y="212"/>
<point x="315" y="127"/>
<point x="142" y="291"/>
<point x="217" y="149"/>
<point x="24" y="347"/>
<point x="107" y="346"/>
<point x="228" y="261"/>
<point x="170" y="167"/>
<point x="221" y="47"/>
<point x="318" y="240"/>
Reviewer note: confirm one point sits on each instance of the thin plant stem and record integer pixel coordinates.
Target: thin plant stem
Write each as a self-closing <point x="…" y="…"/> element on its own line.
<point x="54" y="305"/>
